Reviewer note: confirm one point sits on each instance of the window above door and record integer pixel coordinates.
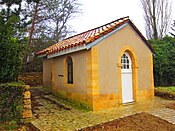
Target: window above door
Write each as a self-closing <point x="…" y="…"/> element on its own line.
<point x="126" y="62"/>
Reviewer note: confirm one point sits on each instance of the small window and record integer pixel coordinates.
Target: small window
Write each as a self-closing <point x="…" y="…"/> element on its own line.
<point x="70" y="70"/>
<point x="125" y="62"/>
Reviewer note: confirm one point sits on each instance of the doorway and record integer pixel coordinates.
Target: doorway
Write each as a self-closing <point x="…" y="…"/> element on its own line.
<point x="126" y="70"/>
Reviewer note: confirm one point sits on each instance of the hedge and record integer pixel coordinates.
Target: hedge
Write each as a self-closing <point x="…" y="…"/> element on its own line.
<point x="11" y="101"/>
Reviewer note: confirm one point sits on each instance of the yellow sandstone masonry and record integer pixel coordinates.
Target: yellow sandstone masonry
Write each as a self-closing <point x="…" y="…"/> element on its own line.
<point x="27" y="101"/>
<point x="28" y="106"/>
<point x="131" y="52"/>
<point x="92" y="72"/>
<point x="104" y="101"/>
<point x="27" y="109"/>
<point x="152" y="75"/>
<point x="27" y="87"/>
<point x="84" y="98"/>
<point x="26" y="95"/>
<point x="27" y="113"/>
<point x="145" y="95"/>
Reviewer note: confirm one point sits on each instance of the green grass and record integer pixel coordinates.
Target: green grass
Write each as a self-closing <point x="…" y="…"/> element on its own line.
<point x="170" y="89"/>
<point x="73" y="103"/>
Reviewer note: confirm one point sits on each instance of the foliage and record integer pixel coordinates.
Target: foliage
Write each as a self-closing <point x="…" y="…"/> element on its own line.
<point x="12" y="41"/>
<point x="164" y="61"/>
<point x="157" y="15"/>
<point x="11" y="125"/>
<point x="10" y="60"/>
<point x="11" y="101"/>
<point x="28" y="26"/>
<point x="50" y="23"/>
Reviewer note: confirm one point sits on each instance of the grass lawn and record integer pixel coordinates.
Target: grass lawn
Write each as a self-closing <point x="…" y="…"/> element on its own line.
<point x="165" y="92"/>
<point x="170" y="89"/>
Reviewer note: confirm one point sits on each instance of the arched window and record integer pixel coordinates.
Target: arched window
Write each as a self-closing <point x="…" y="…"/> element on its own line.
<point x="126" y="61"/>
<point x="69" y="70"/>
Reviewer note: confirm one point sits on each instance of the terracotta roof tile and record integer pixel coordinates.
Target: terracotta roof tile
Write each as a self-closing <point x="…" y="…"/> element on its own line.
<point x="89" y="36"/>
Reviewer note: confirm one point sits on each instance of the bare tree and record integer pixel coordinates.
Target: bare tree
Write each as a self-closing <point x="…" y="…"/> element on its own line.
<point x="49" y="23"/>
<point x="157" y="15"/>
<point x="51" y="18"/>
<point x="173" y="29"/>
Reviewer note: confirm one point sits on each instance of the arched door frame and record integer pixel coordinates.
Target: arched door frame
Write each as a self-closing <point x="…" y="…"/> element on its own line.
<point x="130" y="51"/>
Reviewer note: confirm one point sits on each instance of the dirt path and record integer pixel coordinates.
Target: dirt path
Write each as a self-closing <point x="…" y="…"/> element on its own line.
<point x="138" y="122"/>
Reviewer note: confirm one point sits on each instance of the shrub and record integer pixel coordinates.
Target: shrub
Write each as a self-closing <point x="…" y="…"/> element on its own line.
<point x="11" y="101"/>
<point x="164" y="61"/>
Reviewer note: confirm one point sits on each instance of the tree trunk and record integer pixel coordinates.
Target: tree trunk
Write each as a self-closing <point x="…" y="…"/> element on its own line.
<point x="30" y="35"/>
<point x="33" y="24"/>
<point x="154" y="20"/>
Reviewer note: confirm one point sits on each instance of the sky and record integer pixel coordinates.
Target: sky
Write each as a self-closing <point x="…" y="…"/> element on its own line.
<point x="99" y="12"/>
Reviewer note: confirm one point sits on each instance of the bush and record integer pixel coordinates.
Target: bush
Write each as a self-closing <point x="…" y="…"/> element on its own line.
<point x="164" y="61"/>
<point x="11" y="101"/>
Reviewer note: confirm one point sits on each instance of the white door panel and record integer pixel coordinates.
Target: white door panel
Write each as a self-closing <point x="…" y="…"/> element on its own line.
<point x="127" y="90"/>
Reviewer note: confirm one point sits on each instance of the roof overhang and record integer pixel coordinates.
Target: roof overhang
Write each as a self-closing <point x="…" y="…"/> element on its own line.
<point x="67" y="51"/>
<point x="41" y="55"/>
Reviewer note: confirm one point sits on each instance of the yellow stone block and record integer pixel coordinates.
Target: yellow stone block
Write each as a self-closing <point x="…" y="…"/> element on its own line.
<point x="27" y="113"/>
<point x="26" y="94"/>
<point x="27" y="102"/>
<point x="28" y="106"/>
<point x="27" y="87"/>
<point x="94" y="52"/>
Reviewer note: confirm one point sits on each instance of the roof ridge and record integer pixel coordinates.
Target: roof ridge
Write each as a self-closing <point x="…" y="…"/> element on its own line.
<point x="96" y="28"/>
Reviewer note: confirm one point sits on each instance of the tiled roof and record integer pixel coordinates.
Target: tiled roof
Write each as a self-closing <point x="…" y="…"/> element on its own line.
<point x="89" y="36"/>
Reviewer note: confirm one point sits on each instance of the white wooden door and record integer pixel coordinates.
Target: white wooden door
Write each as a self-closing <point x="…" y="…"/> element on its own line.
<point x="127" y="90"/>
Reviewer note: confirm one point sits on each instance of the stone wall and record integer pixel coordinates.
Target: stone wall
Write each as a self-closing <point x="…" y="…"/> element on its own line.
<point x="32" y="78"/>
<point x="27" y="108"/>
<point x="15" y="101"/>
